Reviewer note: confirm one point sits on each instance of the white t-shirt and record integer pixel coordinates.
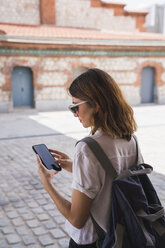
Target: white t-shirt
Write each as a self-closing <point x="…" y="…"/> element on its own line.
<point x="90" y="178"/>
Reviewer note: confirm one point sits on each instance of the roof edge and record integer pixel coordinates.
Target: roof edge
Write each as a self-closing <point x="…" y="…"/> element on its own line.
<point x="136" y="13"/>
<point x="76" y="41"/>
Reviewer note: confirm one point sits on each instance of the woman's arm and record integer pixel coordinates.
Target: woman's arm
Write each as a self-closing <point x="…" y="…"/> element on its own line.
<point x="77" y="211"/>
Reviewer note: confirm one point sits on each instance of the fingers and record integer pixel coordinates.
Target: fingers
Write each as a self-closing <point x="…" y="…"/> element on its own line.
<point x="40" y="164"/>
<point x="65" y="164"/>
<point x="38" y="160"/>
<point x="58" y="154"/>
<point x="43" y="169"/>
<point x="62" y="161"/>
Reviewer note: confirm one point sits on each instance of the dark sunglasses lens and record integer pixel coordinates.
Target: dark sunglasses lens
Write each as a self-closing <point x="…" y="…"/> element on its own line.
<point x="74" y="109"/>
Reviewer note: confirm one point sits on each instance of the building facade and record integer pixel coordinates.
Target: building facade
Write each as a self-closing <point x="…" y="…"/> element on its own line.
<point x="155" y="20"/>
<point x="45" y="44"/>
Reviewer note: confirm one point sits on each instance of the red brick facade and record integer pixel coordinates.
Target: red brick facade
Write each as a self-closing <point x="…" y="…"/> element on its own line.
<point x="158" y="72"/>
<point x="47" y="11"/>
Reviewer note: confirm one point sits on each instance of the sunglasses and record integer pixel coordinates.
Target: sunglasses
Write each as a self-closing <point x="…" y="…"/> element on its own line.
<point x="75" y="107"/>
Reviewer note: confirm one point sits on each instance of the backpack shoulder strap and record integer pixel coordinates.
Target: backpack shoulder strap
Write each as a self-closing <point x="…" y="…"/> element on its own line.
<point x="137" y="149"/>
<point x="100" y="155"/>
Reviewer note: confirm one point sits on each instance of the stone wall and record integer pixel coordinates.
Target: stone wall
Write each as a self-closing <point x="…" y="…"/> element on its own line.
<point x="52" y="75"/>
<point x="72" y="13"/>
<point x="79" y="13"/>
<point x="20" y="11"/>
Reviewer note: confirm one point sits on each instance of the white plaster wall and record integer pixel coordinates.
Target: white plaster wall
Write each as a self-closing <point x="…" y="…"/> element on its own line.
<point x="52" y="78"/>
<point x="56" y="63"/>
<point x="2" y="79"/>
<point x="124" y="77"/>
<point x="20" y="11"/>
<point x="78" y="13"/>
<point x="161" y="94"/>
<point x="163" y="76"/>
<point x="49" y="93"/>
<point x="132" y="94"/>
<point x="4" y="96"/>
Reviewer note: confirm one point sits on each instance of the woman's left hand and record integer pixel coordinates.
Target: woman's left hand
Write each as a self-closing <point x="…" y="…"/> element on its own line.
<point x="45" y="174"/>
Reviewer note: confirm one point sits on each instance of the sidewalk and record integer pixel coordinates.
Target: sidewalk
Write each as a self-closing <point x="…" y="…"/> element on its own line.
<point x="28" y="217"/>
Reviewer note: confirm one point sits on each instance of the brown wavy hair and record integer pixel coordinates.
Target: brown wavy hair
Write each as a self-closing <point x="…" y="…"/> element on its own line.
<point x="114" y="115"/>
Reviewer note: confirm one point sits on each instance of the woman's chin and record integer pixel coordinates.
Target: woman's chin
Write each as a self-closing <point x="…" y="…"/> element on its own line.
<point x="85" y="125"/>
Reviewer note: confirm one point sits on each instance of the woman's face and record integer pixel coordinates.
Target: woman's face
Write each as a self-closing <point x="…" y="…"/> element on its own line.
<point x="84" y="112"/>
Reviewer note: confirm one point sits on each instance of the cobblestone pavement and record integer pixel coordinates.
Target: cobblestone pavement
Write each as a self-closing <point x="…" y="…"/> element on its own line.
<point x="28" y="217"/>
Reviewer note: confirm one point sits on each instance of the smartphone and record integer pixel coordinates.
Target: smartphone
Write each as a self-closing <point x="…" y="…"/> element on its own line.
<point x="46" y="157"/>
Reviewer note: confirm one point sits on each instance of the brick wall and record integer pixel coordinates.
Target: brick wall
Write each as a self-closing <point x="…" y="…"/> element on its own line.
<point x="73" y="13"/>
<point x="20" y="11"/>
<point x="52" y="75"/>
<point x="47" y="12"/>
<point x="88" y="14"/>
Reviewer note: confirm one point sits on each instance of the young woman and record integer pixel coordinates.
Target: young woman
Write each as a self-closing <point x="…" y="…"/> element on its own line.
<point x="98" y="103"/>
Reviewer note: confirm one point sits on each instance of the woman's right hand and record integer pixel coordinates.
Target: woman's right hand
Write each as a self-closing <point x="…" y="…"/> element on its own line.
<point x="62" y="159"/>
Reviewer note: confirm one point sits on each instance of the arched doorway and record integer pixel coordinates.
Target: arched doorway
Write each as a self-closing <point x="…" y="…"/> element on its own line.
<point x="22" y="87"/>
<point x="147" y="85"/>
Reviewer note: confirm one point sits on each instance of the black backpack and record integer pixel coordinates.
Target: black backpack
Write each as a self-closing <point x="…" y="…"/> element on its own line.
<point x="136" y="216"/>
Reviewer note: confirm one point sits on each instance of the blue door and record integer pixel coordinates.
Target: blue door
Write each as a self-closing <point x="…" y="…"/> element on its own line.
<point x="148" y="85"/>
<point x="22" y="87"/>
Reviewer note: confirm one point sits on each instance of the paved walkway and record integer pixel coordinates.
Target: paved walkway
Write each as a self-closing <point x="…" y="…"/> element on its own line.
<point x="28" y="217"/>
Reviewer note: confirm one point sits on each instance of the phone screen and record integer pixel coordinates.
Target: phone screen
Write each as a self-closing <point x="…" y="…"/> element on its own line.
<point x="46" y="157"/>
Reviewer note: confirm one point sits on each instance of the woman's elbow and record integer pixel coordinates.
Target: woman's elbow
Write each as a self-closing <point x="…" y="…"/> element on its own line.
<point x="78" y="223"/>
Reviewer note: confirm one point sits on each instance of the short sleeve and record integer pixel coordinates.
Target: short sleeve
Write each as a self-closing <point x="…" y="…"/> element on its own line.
<point x="87" y="172"/>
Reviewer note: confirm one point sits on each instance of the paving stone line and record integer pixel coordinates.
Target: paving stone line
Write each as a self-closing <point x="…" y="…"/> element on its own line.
<point x="28" y="216"/>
